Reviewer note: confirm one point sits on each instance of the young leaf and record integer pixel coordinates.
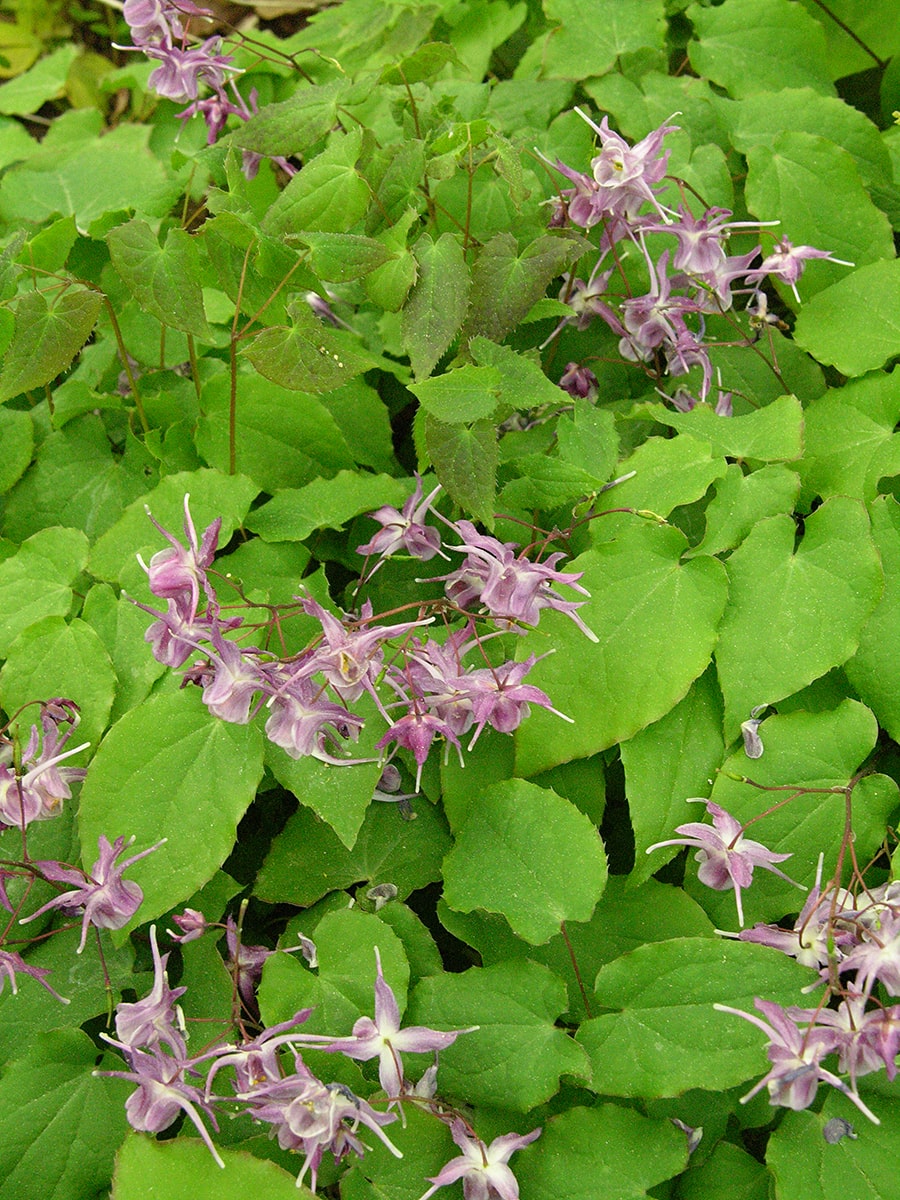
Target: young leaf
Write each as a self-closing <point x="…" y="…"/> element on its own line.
<point x="47" y="337"/>
<point x="165" y="280"/>
<point x="437" y="304"/>
<point x="464" y="395"/>
<point x="465" y="461"/>
<point x="327" y="195"/>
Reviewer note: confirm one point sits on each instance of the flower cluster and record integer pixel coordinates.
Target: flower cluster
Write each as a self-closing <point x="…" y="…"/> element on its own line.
<point x="33" y="787"/>
<point x="159" y="30"/>
<point x="852" y="941"/>
<point x="445" y="688"/>
<point x="306" y="1115"/>
<point x="663" y="329"/>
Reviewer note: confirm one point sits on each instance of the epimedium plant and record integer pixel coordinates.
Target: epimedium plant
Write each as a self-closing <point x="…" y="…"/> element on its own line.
<point x="592" y="308"/>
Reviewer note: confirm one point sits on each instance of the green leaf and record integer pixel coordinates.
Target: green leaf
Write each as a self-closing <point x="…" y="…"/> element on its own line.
<point x="434" y="312"/>
<point x="664" y="1036"/>
<point x="296" y="513"/>
<point x="307" y="859"/>
<point x="523" y="384"/>
<point x="854" y="324"/>
<point x="793" y="615"/>
<point x="77" y="481"/>
<point x="212" y="495"/>
<point x="643" y="661"/>
<point x="47" y="337"/>
<point x="750" y="46"/>
<point x="807" y="749"/>
<point x="873" y="33"/>
<point x="586" y="1153"/>
<point x="668" y="472"/>
<point x="120" y="626"/>
<point x="516" y="1056"/>
<point x="17" y="438"/>
<point x="170" y="769"/>
<point x="507" y="282"/>
<point x="771" y="434"/>
<point x="79" y="978"/>
<point x="294" y="125"/>
<point x="150" y="1170"/>
<point x="465" y="461"/>
<point x="340" y="796"/>
<point x="740" y="501"/>
<point x="165" y="280"/>
<point x="46" y="80"/>
<point x="595" y="33"/>
<point x="588" y="439"/>
<point x="669" y="760"/>
<point x="282" y="438"/>
<point x="342" y="989"/>
<point x="326" y="195"/>
<point x="873" y="670"/>
<point x="728" y="1172"/>
<point x="37" y="580"/>
<point x="340" y="257"/>
<point x="528" y="854"/>
<point x="850" y="439"/>
<point x="56" y="658"/>
<point x="308" y="356"/>
<point x="60" y="1127"/>
<point x="88" y="176"/>
<point x="807" y="1167"/>
<point x="812" y="187"/>
<point x="423" y="64"/>
<point x="760" y="119"/>
<point x="464" y="395"/>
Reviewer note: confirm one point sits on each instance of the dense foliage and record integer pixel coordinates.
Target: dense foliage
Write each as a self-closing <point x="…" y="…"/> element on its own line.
<point x="509" y="385"/>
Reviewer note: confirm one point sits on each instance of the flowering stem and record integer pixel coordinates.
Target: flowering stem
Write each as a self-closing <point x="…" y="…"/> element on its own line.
<point x="575" y="968"/>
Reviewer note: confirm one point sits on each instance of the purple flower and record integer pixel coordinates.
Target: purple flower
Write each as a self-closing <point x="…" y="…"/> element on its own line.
<point x="192" y="924"/>
<point x="415" y="732"/>
<point x="482" y="1169"/>
<point x="151" y="1021"/>
<point x="625" y="174"/>
<point x="405" y="530"/>
<point x="385" y="1040"/>
<point x="180" y="572"/>
<point x="303" y="722"/>
<point x="796" y="1056"/>
<point x="162" y="1093"/>
<point x="180" y="73"/>
<point x="725" y="856"/>
<point x="786" y="263"/>
<point x="579" y="381"/>
<point x="37" y="794"/>
<point x="106" y="899"/>
<point x="312" y="1117"/>
<point x="511" y="588"/>
<point x="10" y="963"/>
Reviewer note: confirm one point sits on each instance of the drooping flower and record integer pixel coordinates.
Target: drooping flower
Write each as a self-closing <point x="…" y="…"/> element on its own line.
<point x="795" y="1054"/>
<point x="149" y="1022"/>
<point x="106" y="899"/>
<point x="385" y="1040"/>
<point x="484" y="1170"/>
<point x="725" y="856"/>
<point x="12" y="963"/>
<point x="405" y="530"/>
<point x="179" y="573"/>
